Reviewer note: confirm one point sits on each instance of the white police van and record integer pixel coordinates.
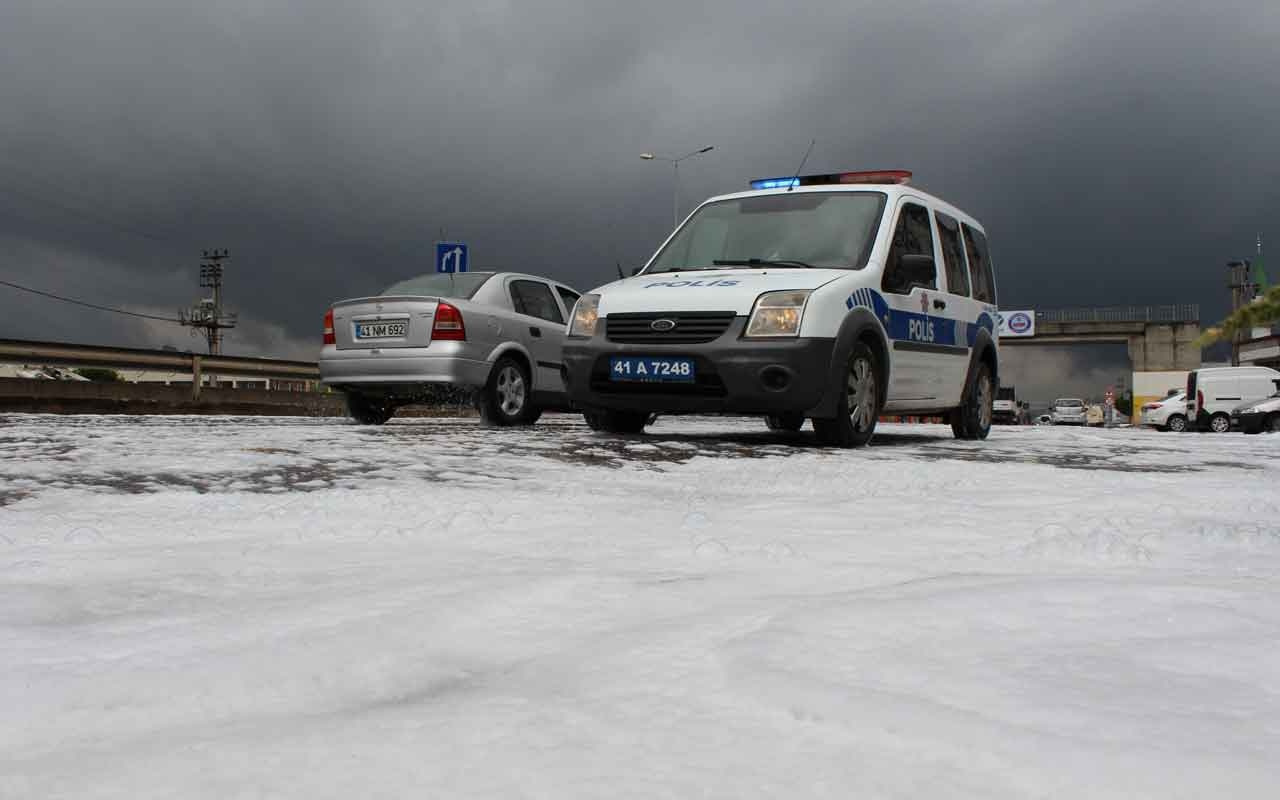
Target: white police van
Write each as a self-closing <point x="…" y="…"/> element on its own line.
<point x="833" y="298"/>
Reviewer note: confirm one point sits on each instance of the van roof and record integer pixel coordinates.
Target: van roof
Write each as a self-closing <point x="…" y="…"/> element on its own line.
<point x="1254" y="370"/>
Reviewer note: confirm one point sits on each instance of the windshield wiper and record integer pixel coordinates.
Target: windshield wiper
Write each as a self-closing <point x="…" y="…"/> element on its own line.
<point x="763" y="262"/>
<point x="701" y="268"/>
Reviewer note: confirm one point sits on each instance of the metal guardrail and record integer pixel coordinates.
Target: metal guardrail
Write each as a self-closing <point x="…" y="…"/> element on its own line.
<point x="1177" y="313"/>
<point x="89" y="355"/>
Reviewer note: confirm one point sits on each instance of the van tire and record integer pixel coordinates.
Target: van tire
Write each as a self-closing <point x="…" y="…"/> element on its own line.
<point x="790" y="421"/>
<point x="610" y="421"/>
<point x="1176" y="423"/>
<point x="367" y="410"/>
<point x="506" y="399"/>
<point x="861" y="376"/>
<point x="972" y="418"/>
<point x="1219" y="423"/>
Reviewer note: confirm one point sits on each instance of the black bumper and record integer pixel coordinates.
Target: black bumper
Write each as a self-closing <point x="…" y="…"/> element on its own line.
<point x="1249" y="423"/>
<point x="733" y="376"/>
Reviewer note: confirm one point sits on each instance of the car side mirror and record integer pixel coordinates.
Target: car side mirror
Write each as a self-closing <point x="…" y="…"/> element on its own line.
<point x="917" y="270"/>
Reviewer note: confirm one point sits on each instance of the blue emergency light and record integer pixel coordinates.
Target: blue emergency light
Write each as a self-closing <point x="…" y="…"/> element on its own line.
<point x="882" y="176"/>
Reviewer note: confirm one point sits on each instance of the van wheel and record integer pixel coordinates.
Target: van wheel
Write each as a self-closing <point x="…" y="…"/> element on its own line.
<point x="789" y="421"/>
<point x="1220" y="423"/>
<point x="972" y="419"/>
<point x="368" y="410"/>
<point x="1176" y="423"/>
<point x="507" y="398"/>
<point x="609" y="421"/>
<point x="857" y="403"/>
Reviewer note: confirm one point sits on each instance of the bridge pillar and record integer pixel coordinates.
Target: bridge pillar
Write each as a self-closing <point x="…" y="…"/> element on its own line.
<point x="1161" y="357"/>
<point x="1165" y="347"/>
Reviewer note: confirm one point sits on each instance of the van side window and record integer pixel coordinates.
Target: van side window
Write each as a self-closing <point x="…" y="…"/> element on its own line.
<point x="535" y="299"/>
<point x="984" y="284"/>
<point x="913" y="236"/>
<point x="953" y="254"/>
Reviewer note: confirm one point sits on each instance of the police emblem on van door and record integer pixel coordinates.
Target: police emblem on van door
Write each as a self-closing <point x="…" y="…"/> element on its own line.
<point x="663" y="325"/>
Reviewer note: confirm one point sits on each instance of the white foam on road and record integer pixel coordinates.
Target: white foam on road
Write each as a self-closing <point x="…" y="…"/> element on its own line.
<point x="222" y="607"/>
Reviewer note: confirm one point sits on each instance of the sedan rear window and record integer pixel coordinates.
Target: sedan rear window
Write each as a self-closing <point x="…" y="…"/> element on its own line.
<point x="461" y="285"/>
<point x="1069" y="403"/>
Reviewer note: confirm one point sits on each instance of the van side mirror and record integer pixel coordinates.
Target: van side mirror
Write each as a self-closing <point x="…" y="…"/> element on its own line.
<point x="916" y="270"/>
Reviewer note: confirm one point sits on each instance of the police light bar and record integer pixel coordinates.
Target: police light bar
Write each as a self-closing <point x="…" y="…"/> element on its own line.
<point x="882" y="176"/>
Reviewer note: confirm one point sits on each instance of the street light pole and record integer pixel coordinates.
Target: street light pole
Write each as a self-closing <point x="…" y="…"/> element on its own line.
<point x="675" y="176"/>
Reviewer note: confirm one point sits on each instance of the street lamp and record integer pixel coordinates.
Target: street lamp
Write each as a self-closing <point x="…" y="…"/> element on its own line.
<point x="675" y="173"/>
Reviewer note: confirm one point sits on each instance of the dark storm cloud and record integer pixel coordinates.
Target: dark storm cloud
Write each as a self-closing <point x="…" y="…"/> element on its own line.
<point x="1117" y="152"/>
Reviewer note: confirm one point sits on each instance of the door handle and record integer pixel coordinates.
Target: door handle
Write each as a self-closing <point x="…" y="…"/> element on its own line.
<point x="536" y="332"/>
<point x="939" y="304"/>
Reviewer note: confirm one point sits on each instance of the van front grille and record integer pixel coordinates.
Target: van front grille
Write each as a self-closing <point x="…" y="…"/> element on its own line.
<point x="690" y="327"/>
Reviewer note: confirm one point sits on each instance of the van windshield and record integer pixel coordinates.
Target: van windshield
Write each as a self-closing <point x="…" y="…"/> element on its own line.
<point x="820" y="229"/>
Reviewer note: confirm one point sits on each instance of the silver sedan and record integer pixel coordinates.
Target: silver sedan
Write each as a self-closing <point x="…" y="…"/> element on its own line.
<point x="494" y="337"/>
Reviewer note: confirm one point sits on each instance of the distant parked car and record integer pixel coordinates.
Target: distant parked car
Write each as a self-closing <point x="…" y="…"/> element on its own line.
<point x="1213" y="393"/>
<point x="1069" y="411"/>
<point x="1169" y="414"/>
<point x="495" y="336"/>
<point x="1095" y="415"/>
<point x="1258" y="416"/>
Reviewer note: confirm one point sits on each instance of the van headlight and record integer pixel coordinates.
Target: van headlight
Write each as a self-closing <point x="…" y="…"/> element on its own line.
<point x="582" y="323"/>
<point x="777" y="314"/>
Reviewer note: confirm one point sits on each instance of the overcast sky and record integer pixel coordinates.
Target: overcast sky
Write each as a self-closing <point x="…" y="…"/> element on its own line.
<point x="1117" y="152"/>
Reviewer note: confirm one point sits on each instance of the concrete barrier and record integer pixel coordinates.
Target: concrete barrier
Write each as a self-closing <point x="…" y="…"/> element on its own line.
<point x="83" y="397"/>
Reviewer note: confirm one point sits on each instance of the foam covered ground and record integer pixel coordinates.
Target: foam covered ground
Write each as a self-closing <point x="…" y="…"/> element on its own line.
<point x="230" y="607"/>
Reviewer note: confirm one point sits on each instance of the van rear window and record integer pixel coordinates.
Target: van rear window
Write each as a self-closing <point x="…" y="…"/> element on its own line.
<point x="984" y="282"/>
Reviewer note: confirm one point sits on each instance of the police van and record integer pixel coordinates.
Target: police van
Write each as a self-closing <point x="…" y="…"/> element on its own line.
<point x="834" y="298"/>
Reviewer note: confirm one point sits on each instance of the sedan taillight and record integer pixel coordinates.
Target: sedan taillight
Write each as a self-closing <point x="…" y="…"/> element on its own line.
<point x="329" y="337"/>
<point x="448" y="324"/>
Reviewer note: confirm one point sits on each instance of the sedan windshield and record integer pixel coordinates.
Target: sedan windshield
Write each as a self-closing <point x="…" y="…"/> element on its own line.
<point x="804" y="229"/>
<point x="461" y="285"/>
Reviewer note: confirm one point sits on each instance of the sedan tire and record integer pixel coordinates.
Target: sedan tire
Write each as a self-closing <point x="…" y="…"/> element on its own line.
<point x="1176" y="423"/>
<point x="507" y="398"/>
<point x="1220" y="423"/>
<point x="367" y="410"/>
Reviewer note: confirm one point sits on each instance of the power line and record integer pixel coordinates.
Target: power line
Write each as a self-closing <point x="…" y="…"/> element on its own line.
<point x="88" y="305"/>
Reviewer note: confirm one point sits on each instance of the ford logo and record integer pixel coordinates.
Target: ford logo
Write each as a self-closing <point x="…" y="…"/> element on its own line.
<point x="663" y="325"/>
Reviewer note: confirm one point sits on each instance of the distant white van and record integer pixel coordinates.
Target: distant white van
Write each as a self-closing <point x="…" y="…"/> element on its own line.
<point x="1213" y="392"/>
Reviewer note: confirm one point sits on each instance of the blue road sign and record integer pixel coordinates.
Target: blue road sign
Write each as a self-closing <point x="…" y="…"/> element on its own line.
<point x="451" y="257"/>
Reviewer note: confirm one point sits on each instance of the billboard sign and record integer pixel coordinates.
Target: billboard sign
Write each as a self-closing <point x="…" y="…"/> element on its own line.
<point x="1015" y="323"/>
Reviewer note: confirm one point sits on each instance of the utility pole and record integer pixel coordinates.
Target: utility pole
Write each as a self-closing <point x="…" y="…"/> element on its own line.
<point x="1243" y="290"/>
<point x="207" y="314"/>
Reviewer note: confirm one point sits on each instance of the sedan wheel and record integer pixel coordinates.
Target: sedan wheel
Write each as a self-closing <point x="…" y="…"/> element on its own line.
<point x="1177" y="423"/>
<point x="507" y="398"/>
